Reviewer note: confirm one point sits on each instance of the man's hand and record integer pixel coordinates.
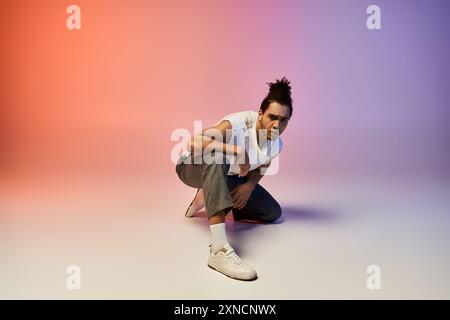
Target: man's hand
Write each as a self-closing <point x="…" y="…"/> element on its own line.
<point x="241" y="194"/>
<point x="244" y="162"/>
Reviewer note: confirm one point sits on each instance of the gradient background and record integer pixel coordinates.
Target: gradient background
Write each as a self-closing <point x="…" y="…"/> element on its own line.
<point x="86" y="117"/>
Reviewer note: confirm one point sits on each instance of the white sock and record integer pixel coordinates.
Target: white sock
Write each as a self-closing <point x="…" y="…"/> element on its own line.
<point x="219" y="236"/>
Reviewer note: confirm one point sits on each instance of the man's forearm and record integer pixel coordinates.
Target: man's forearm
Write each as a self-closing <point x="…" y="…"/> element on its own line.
<point x="201" y="143"/>
<point x="254" y="176"/>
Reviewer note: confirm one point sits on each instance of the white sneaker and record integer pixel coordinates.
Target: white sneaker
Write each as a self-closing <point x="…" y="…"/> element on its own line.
<point x="196" y="204"/>
<point x="230" y="264"/>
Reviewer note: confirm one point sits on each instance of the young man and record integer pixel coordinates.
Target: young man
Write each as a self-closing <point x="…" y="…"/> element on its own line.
<point x="225" y="163"/>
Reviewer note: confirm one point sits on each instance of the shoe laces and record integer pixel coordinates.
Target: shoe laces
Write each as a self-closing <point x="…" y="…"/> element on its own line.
<point x="233" y="257"/>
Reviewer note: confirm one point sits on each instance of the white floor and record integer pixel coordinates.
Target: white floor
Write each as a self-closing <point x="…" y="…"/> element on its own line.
<point x="133" y="242"/>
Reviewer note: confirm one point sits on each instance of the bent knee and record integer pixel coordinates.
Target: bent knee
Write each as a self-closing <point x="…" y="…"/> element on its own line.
<point x="218" y="161"/>
<point x="274" y="214"/>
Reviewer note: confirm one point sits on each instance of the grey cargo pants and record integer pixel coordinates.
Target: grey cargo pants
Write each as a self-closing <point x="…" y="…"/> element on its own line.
<point x="216" y="185"/>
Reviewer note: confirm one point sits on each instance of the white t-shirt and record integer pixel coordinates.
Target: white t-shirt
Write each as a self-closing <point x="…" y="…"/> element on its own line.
<point x="243" y="133"/>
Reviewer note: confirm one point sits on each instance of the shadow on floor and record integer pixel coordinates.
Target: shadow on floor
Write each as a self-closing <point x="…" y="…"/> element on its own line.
<point x="236" y="229"/>
<point x="290" y="214"/>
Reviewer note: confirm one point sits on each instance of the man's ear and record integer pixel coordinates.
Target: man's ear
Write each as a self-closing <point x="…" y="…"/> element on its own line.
<point x="260" y="114"/>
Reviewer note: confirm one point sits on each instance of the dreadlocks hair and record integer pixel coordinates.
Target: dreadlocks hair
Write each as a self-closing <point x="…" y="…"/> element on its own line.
<point x="280" y="91"/>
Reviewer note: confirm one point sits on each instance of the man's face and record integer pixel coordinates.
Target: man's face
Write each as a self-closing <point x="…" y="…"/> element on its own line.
<point x="275" y="117"/>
